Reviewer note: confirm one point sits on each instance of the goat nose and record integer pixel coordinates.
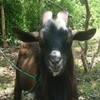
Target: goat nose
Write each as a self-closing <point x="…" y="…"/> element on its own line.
<point x="55" y="56"/>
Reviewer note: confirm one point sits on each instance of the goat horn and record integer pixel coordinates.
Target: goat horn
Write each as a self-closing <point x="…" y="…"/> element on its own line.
<point x="47" y="16"/>
<point x="63" y="15"/>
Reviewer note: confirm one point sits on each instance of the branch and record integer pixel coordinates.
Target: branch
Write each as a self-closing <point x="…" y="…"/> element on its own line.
<point x="85" y="47"/>
<point x="71" y="21"/>
<point x="95" y="54"/>
<point x="81" y="46"/>
<point x="87" y="14"/>
<point x="85" y="63"/>
<point x="86" y="23"/>
<point x="56" y="5"/>
<point x="83" y="57"/>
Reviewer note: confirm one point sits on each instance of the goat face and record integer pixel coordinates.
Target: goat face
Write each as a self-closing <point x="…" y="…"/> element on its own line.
<point x="56" y="40"/>
<point x="55" y="47"/>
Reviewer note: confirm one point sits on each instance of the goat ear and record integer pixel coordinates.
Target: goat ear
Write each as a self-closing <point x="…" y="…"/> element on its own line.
<point x="25" y="36"/>
<point x="83" y="35"/>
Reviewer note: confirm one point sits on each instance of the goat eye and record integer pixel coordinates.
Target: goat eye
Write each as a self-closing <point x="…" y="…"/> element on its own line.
<point x="70" y="38"/>
<point x="40" y="40"/>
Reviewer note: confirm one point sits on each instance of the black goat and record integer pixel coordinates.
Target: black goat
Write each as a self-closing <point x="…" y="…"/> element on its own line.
<point x="53" y="61"/>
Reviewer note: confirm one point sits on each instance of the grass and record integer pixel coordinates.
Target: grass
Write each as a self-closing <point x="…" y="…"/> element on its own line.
<point x="89" y="83"/>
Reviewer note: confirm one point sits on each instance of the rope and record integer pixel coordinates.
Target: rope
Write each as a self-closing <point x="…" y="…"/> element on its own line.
<point x="37" y="78"/>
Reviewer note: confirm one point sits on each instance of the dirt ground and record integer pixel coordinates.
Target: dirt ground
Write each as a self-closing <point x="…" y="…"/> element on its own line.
<point x="7" y="73"/>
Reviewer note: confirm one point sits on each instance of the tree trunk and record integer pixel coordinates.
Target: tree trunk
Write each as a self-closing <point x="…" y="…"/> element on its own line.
<point x="3" y="25"/>
<point x="84" y="61"/>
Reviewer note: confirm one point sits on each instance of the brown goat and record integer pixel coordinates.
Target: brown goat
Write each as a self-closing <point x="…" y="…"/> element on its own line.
<point x="28" y="56"/>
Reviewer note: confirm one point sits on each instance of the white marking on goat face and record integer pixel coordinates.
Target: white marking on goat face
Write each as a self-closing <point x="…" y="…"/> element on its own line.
<point x="55" y="59"/>
<point x="56" y="52"/>
<point x="55" y="72"/>
<point x="55" y="62"/>
<point x="60" y="23"/>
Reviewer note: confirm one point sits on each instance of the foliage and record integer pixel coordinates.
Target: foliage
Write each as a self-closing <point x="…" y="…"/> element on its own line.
<point x="88" y="84"/>
<point x="95" y="13"/>
<point x="31" y="14"/>
<point x="33" y="11"/>
<point x="13" y="11"/>
<point x="27" y="14"/>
